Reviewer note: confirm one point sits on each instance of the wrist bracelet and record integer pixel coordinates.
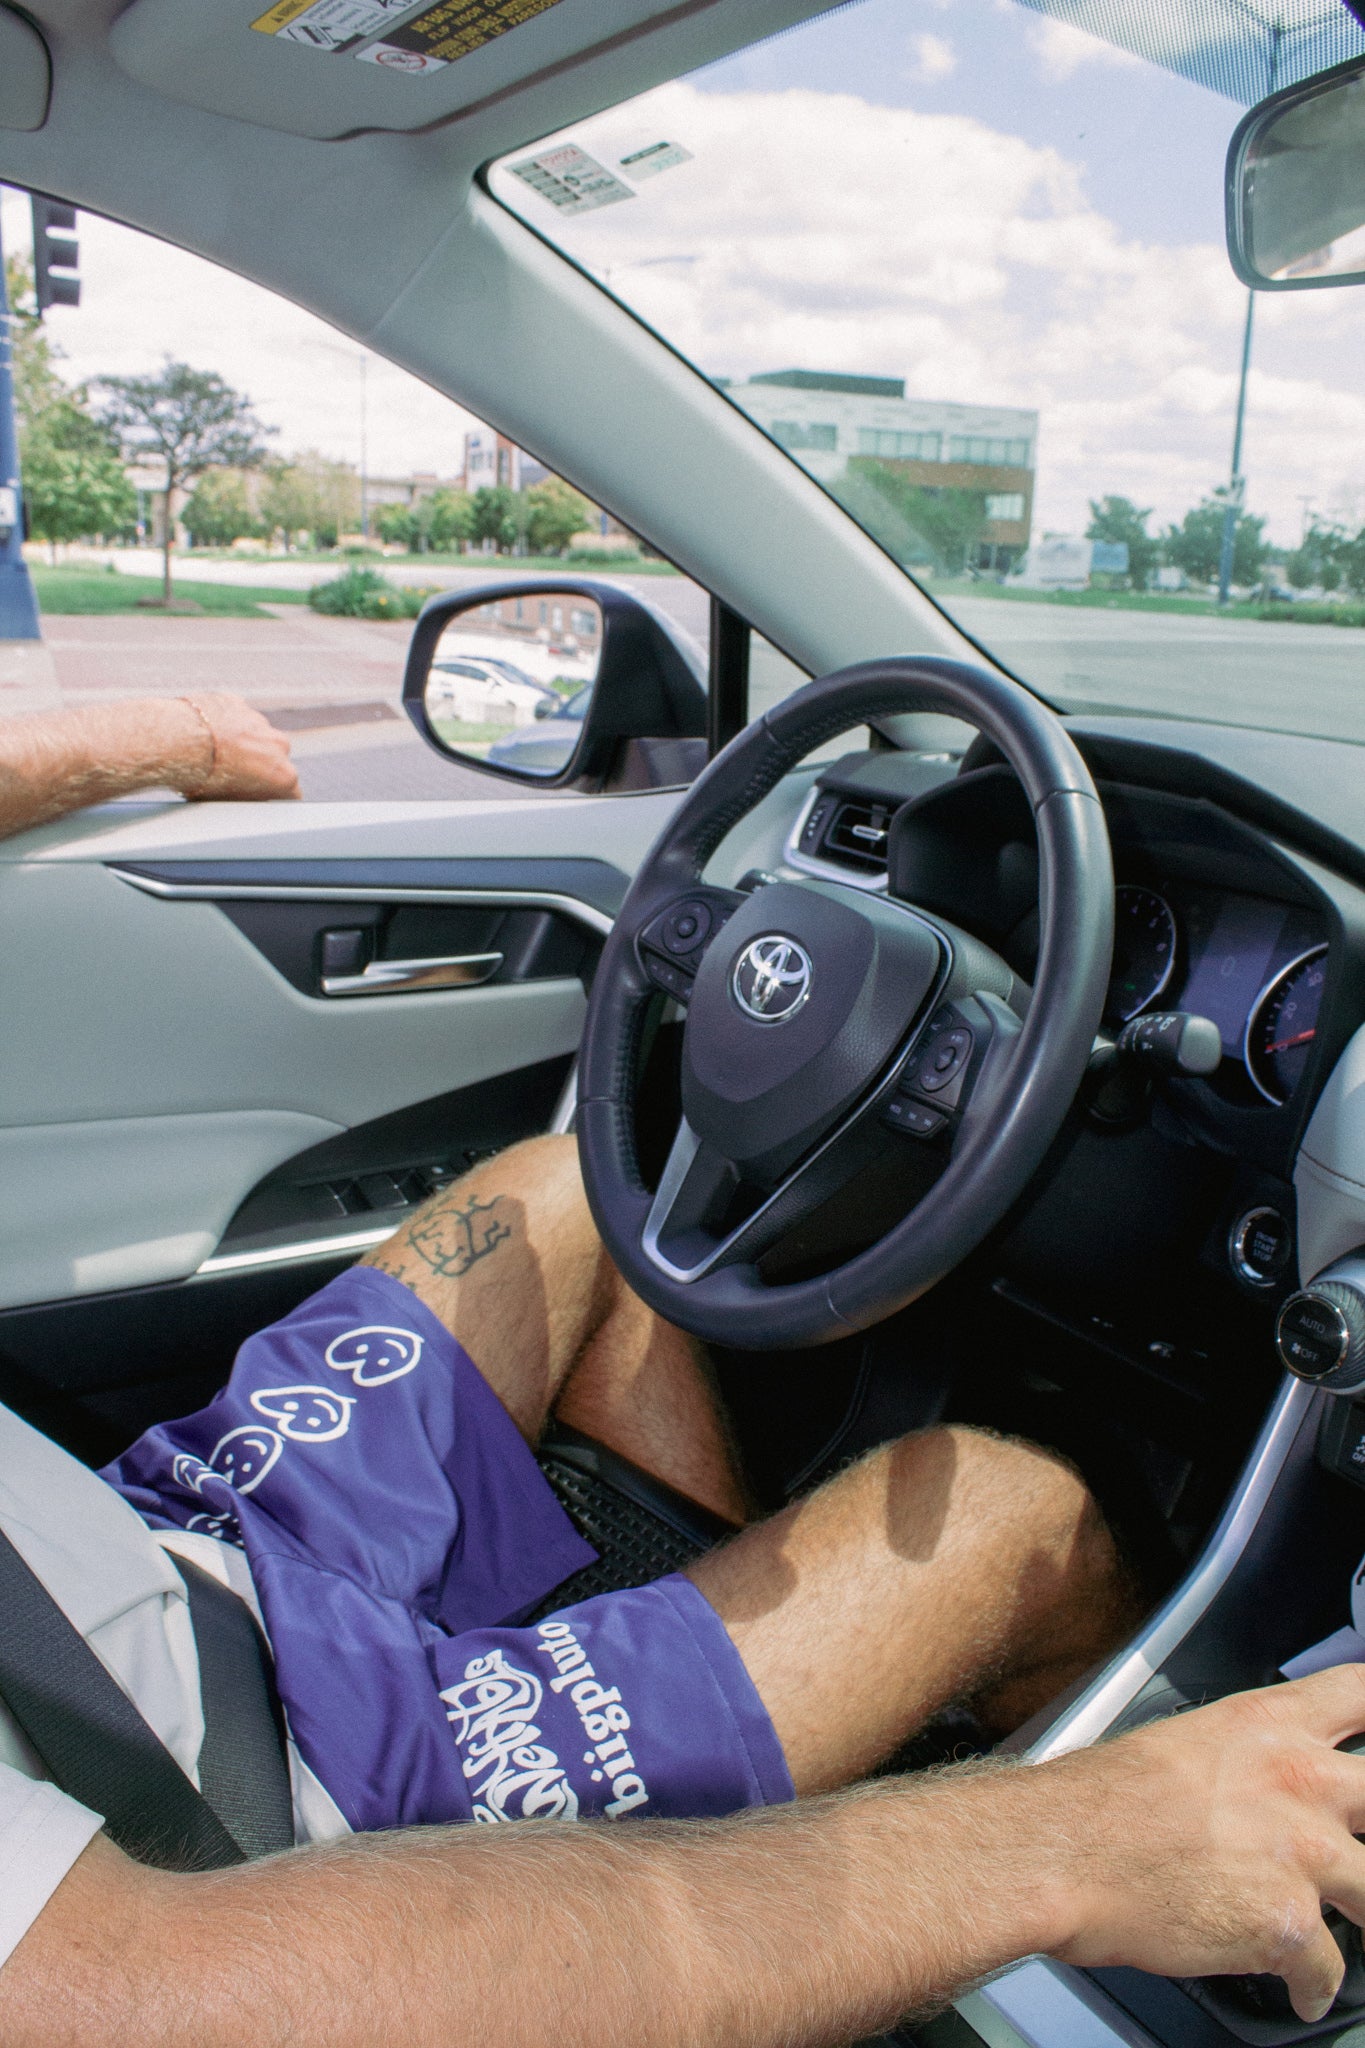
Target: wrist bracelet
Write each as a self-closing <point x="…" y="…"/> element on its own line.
<point x="209" y="735"/>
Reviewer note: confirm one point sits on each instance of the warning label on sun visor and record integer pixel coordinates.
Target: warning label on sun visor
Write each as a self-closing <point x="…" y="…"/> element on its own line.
<point x="571" y="179"/>
<point x="450" y="30"/>
<point x="329" y="25"/>
<point x="437" y="36"/>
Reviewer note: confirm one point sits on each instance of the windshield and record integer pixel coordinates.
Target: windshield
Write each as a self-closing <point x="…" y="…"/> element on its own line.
<point x="965" y="263"/>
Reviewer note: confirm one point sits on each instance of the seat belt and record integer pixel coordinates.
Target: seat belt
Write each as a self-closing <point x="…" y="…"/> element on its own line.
<point x="93" y="1740"/>
<point x="243" y="1762"/>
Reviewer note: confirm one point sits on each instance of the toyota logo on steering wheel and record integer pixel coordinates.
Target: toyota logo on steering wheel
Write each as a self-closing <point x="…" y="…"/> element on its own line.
<point x="772" y="979"/>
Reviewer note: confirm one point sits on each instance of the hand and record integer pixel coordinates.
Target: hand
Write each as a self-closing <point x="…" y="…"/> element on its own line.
<point x="250" y="759"/>
<point x="1208" y="1844"/>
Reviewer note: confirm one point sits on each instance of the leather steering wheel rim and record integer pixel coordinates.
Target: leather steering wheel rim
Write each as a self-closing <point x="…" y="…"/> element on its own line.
<point x="1000" y="1152"/>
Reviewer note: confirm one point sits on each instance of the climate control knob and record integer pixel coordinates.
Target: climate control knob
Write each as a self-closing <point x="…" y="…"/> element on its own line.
<point x="1320" y="1332"/>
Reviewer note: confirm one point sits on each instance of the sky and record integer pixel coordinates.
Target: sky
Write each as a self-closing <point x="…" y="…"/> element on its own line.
<point x="142" y="299"/>
<point x="962" y="193"/>
<point x="1000" y="210"/>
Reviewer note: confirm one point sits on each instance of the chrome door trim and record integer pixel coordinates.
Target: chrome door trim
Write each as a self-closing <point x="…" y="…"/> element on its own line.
<point x="329" y="892"/>
<point x="411" y="977"/>
<point x="1115" y="1689"/>
<point x="345" y="1241"/>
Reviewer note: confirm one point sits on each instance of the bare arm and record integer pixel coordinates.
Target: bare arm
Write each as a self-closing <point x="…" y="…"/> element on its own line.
<point x="208" y="745"/>
<point x="1206" y="1844"/>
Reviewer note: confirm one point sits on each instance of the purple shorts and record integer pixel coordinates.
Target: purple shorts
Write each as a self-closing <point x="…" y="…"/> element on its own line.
<point x="398" y="1528"/>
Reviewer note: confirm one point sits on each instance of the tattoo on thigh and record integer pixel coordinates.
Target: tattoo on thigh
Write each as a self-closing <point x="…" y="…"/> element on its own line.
<point x="451" y="1238"/>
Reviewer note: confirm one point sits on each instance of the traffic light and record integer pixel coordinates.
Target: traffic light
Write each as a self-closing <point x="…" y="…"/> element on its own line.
<point x="55" y="250"/>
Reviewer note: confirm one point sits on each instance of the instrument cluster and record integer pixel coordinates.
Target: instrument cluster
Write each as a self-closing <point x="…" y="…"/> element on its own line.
<point x="1257" y="968"/>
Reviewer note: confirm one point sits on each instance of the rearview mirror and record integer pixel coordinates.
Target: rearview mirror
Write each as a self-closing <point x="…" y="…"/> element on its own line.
<point x="571" y="683"/>
<point x="1296" y="185"/>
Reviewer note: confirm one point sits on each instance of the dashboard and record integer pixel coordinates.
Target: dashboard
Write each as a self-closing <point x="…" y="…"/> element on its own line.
<point x="1258" y="968"/>
<point x="1212" y="916"/>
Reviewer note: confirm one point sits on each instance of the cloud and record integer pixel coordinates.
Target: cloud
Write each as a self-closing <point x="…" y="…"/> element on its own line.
<point x="825" y="231"/>
<point x="142" y="299"/>
<point x="1061" y="50"/>
<point x="932" y="58"/>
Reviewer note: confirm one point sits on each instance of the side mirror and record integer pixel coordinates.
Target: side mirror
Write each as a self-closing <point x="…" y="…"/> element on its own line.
<point x="566" y="684"/>
<point x="1296" y="185"/>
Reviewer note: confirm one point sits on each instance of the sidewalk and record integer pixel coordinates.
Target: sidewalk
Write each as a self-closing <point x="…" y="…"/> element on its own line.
<point x="334" y="683"/>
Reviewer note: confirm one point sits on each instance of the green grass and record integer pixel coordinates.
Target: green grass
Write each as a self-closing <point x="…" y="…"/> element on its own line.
<point x="946" y="589"/>
<point x="492" y="566"/>
<point x="95" y="591"/>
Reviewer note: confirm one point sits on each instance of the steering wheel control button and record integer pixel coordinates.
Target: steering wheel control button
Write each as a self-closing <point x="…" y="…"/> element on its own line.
<point x="947" y="1056"/>
<point x="666" y="976"/>
<point x="1320" y="1336"/>
<point x="1260" y="1245"/>
<point x="903" y="1113"/>
<point x="687" y="927"/>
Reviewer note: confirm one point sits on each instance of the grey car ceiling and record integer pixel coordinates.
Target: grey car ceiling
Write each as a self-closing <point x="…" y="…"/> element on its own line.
<point x="178" y="119"/>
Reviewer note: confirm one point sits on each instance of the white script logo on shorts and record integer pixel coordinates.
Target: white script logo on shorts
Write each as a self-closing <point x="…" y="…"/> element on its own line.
<point x="306" y="1415"/>
<point x="374" y="1354"/>
<point x="513" y="1774"/>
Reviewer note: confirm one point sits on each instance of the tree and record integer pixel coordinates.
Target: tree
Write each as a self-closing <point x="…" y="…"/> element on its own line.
<point x="1321" y="559"/>
<point x="396" y="525"/>
<point x="447" y="518"/>
<point x="1196" y="545"/>
<point x="1119" y="520"/>
<point x="75" y="485"/>
<point x="190" y="421"/>
<point x="555" y="512"/>
<point x="314" y="495"/>
<point x="217" y="512"/>
<point x="494" y="516"/>
<point x="945" y="521"/>
<point x="36" y="382"/>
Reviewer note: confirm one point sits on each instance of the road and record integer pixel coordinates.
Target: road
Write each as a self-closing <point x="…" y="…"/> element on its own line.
<point x="334" y="683"/>
<point x="1306" y="679"/>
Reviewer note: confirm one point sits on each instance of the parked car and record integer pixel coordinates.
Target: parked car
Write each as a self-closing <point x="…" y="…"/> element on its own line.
<point x="545" y="748"/>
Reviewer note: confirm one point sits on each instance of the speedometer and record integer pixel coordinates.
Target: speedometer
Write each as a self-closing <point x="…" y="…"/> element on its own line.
<point x="1283" y="1025"/>
<point x="1144" y="951"/>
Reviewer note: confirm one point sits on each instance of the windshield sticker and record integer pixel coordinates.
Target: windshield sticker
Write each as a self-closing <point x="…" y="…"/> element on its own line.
<point x="571" y="180"/>
<point x="449" y="31"/>
<point x="647" y="163"/>
<point x="328" y="25"/>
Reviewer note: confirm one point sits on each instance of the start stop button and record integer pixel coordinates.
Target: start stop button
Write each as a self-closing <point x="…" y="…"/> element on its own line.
<point x="1260" y="1245"/>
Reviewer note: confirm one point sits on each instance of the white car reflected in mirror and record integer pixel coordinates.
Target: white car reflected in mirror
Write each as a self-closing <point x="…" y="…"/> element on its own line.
<point x="505" y="676"/>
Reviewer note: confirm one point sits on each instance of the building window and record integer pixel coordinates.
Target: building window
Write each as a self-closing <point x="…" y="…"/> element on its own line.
<point x="792" y="434"/>
<point x="978" y="448"/>
<point x="899" y="447"/>
<point x="1005" y="505"/>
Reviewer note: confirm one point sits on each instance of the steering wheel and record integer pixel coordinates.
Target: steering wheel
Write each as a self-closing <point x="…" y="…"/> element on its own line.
<point x="839" y="1049"/>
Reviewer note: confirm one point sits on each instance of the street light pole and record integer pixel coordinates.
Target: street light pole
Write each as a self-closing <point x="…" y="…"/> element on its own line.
<point x="1237" y="483"/>
<point x="18" y="605"/>
<point x="364" y="446"/>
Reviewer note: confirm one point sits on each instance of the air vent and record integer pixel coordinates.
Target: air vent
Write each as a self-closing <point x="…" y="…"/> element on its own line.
<point x="856" y="836"/>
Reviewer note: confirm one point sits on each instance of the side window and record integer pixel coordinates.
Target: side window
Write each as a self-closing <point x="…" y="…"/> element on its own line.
<point x="316" y="495"/>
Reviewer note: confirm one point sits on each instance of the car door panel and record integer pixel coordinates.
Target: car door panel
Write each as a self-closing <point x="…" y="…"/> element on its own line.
<point x="160" y="1064"/>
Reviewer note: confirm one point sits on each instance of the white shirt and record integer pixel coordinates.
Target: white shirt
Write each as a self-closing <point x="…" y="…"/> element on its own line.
<point x="115" y="1580"/>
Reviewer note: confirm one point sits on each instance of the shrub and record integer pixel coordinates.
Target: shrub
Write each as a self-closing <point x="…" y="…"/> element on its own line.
<point x="606" y="558"/>
<point x="365" y="594"/>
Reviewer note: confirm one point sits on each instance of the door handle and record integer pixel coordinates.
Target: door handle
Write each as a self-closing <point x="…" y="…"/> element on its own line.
<point x="413" y="977"/>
